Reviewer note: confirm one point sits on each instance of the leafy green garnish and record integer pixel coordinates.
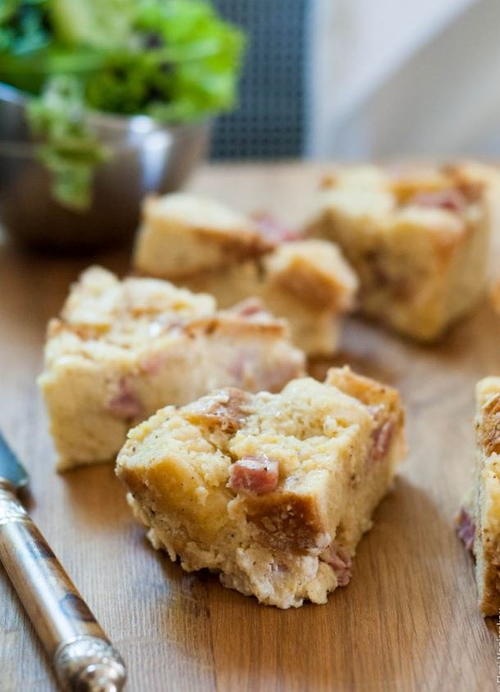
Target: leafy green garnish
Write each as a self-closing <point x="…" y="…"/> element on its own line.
<point x="101" y="24"/>
<point x="174" y="60"/>
<point x="23" y="26"/>
<point x="70" y="150"/>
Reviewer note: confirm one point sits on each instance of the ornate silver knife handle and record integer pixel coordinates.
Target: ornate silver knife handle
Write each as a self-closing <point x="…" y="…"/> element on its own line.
<point x="83" y="657"/>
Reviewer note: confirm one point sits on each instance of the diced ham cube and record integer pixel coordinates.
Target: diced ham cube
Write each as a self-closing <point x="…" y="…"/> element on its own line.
<point x="153" y="363"/>
<point x="250" y="307"/>
<point x="125" y="403"/>
<point x="254" y="474"/>
<point x="381" y="440"/>
<point x="466" y="529"/>
<point x="451" y="199"/>
<point x="340" y="561"/>
<point x="225" y="409"/>
<point x="274" y="231"/>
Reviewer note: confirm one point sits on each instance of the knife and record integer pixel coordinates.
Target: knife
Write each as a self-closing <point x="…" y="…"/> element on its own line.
<point x="82" y="655"/>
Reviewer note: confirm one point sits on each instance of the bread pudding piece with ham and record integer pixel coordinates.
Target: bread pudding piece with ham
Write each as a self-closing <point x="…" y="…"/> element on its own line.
<point x="122" y="349"/>
<point x="272" y="491"/>
<point x="417" y="236"/>
<point x="183" y="234"/>
<point x="478" y="523"/>
<point x="308" y="282"/>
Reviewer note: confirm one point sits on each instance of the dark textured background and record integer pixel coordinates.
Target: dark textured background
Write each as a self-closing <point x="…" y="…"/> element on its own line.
<point x="270" y="119"/>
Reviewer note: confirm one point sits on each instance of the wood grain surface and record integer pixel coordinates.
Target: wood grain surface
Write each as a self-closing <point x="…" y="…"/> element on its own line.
<point x="408" y="619"/>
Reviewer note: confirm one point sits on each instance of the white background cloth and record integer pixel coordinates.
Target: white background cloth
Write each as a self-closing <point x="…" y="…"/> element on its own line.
<point x="391" y="78"/>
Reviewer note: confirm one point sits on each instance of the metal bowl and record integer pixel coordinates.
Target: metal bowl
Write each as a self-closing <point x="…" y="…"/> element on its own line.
<point x="145" y="157"/>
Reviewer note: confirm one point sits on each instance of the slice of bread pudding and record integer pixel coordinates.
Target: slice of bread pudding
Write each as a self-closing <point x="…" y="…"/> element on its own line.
<point x="123" y="349"/>
<point x="416" y="236"/>
<point x="272" y="491"/>
<point x="308" y="282"/>
<point x="182" y="234"/>
<point x="479" y="519"/>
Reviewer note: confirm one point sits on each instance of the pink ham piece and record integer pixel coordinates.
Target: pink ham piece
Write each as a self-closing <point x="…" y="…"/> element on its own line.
<point x="451" y="199"/>
<point x="381" y="437"/>
<point x="274" y="231"/>
<point x="466" y="529"/>
<point x="153" y="363"/>
<point x="339" y="561"/>
<point x="224" y="409"/>
<point x="164" y="323"/>
<point x="125" y="403"/>
<point x="254" y="474"/>
<point x="250" y="307"/>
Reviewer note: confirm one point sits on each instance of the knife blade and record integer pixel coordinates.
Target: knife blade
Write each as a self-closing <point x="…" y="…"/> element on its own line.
<point x="11" y="469"/>
<point x="83" y="657"/>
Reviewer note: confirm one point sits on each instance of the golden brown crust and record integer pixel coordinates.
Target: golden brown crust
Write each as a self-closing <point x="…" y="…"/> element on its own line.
<point x="133" y="480"/>
<point x="233" y="244"/>
<point x="370" y="392"/>
<point x="484" y="503"/>
<point x="314" y="273"/>
<point x="314" y="290"/>
<point x="287" y="521"/>
<point x="383" y="402"/>
<point x="488" y="427"/>
<point x="226" y="410"/>
<point x="232" y="324"/>
<point x="490" y="603"/>
<point x="232" y="250"/>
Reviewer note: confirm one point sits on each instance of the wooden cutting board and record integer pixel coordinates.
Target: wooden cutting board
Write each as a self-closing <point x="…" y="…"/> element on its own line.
<point x="407" y="621"/>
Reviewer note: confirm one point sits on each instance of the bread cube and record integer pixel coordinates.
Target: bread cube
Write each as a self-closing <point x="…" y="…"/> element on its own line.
<point x="479" y="518"/>
<point x="123" y="349"/>
<point x="306" y="281"/>
<point x="182" y="234"/>
<point x="272" y="491"/>
<point x="417" y="237"/>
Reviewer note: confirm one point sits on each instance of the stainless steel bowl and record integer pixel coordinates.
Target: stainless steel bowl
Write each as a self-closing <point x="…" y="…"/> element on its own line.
<point x="145" y="157"/>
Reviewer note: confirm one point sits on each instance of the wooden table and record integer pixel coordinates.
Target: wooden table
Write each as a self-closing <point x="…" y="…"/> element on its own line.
<point x="407" y="621"/>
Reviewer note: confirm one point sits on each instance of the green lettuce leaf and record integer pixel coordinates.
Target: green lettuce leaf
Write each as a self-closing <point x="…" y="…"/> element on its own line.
<point x="174" y="60"/>
<point x="102" y="24"/>
<point x="69" y="149"/>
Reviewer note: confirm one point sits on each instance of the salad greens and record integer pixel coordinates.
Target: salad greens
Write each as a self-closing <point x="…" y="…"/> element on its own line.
<point x="174" y="60"/>
<point x="69" y="149"/>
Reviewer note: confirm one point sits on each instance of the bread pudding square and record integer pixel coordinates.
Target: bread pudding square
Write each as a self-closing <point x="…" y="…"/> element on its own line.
<point x="314" y="271"/>
<point x="316" y="330"/>
<point x="479" y="518"/>
<point x="122" y="349"/>
<point x="182" y="234"/>
<point x="416" y="236"/>
<point x="271" y="491"/>
<point x="308" y="282"/>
